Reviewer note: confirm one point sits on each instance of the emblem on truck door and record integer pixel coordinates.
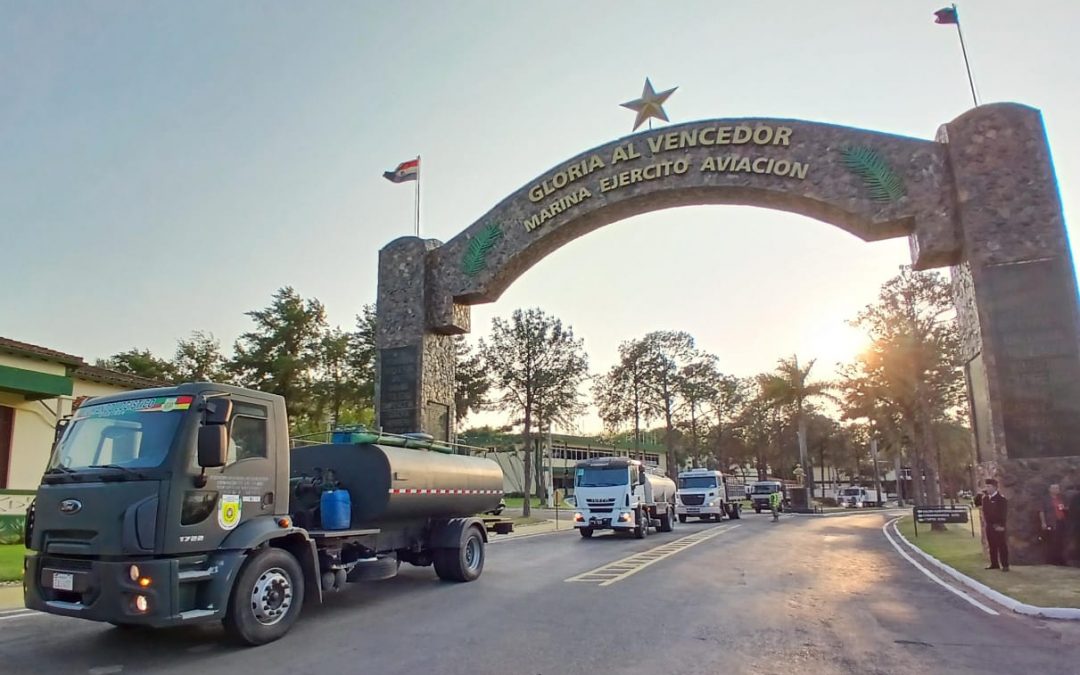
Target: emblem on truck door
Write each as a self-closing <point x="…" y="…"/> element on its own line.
<point x="70" y="506"/>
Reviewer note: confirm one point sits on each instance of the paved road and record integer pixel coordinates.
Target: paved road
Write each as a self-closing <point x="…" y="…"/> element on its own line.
<point x="806" y="595"/>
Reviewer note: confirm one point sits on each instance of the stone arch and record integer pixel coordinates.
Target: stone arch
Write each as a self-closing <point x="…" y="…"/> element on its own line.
<point x="981" y="198"/>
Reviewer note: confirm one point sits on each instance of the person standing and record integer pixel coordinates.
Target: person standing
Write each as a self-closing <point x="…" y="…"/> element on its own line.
<point x="995" y="514"/>
<point x="774" y="504"/>
<point x="1052" y="518"/>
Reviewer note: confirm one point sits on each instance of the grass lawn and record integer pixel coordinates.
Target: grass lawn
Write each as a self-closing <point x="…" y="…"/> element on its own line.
<point x="537" y="503"/>
<point x="521" y="520"/>
<point x="11" y="562"/>
<point x="1040" y="585"/>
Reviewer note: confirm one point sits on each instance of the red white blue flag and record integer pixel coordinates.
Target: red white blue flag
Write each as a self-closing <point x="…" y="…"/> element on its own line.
<point x="405" y="171"/>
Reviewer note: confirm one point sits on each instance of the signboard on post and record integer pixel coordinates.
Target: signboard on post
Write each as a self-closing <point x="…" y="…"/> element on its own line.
<point x="952" y="513"/>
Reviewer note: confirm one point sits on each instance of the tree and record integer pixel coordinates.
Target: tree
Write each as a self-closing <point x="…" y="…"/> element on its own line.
<point x="282" y="353"/>
<point x="536" y="365"/>
<point x="142" y="363"/>
<point x="333" y="387"/>
<point x="909" y="378"/>
<point x="471" y="381"/>
<point x="698" y="385"/>
<point x="361" y="357"/>
<point x="729" y="398"/>
<point x="199" y="359"/>
<point x="788" y="387"/>
<point x="664" y="356"/>
<point x="620" y="394"/>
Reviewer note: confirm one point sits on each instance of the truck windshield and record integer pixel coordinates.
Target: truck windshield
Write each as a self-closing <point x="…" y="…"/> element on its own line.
<point x="766" y="488"/>
<point x="692" y="482"/>
<point x="851" y="492"/>
<point x="599" y="476"/>
<point x="124" y="434"/>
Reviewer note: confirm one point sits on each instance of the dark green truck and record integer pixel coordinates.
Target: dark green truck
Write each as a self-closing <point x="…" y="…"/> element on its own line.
<point x="185" y="505"/>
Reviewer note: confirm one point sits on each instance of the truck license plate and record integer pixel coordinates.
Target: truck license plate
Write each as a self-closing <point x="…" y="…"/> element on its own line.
<point x="63" y="582"/>
<point x="691" y="509"/>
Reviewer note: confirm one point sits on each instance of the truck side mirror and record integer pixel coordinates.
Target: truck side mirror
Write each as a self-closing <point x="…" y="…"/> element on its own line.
<point x="217" y="411"/>
<point x="213" y="445"/>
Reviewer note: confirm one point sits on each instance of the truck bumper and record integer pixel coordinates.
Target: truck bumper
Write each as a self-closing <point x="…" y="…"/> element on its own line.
<point x="604" y="521"/>
<point x="698" y="510"/>
<point x="100" y="590"/>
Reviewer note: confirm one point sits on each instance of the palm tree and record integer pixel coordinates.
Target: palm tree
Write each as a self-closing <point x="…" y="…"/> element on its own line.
<point x="788" y="388"/>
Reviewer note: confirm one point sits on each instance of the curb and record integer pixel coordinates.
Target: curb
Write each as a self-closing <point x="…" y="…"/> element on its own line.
<point x="1063" y="613"/>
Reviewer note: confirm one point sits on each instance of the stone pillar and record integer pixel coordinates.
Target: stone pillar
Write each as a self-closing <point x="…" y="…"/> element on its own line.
<point x="414" y="368"/>
<point x="1017" y="304"/>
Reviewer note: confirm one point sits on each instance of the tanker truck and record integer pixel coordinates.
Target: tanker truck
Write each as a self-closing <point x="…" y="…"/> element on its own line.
<point x="184" y="505"/>
<point x="622" y="494"/>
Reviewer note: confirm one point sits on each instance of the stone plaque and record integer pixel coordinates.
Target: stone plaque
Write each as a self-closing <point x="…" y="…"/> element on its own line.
<point x="398" y="394"/>
<point x="1037" y="357"/>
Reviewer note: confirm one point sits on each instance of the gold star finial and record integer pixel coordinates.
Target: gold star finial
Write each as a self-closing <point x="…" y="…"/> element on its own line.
<point x="651" y="104"/>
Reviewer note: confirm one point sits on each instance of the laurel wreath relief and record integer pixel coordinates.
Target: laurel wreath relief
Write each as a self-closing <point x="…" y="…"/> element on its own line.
<point x="877" y="177"/>
<point x="474" y="261"/>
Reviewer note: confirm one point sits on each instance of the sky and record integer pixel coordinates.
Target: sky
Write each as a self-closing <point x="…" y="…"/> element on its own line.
<point x="165" y="167"/>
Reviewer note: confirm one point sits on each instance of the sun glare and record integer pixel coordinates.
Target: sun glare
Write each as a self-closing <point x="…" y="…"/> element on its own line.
<point x="836" y="343"/>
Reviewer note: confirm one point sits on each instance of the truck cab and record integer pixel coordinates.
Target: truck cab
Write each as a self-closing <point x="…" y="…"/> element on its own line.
<point x="622" y="494"/>
<point x="760" y="491"/>
<point x="858" y="497"/>
<point x="703" y="494"/>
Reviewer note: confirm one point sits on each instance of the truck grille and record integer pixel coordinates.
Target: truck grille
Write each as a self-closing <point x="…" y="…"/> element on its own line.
<point x="692" y="500"/>
<point x="600" y="505"/>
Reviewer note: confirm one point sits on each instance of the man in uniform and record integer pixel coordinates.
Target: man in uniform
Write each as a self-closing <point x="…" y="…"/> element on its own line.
<point x="774" y="504"/>
<point x="995" y="510"/>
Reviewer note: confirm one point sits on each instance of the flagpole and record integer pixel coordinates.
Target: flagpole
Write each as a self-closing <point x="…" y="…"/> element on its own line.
<point x="418" y="195"/>
<point x="963" y="49"/>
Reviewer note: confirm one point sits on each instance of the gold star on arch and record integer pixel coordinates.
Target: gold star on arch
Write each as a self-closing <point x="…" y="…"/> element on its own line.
<point x="651" y="104"/>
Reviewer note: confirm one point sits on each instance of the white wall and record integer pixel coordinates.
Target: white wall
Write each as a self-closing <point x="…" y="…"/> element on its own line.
<point x="35" y="422"/>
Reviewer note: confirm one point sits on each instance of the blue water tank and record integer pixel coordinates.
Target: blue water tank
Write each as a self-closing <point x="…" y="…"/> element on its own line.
<point x="336" y="509"/>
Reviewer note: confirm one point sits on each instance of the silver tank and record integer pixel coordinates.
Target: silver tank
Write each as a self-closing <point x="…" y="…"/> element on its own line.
<point x="387" y="483"/>
<point x="659" y="488"/>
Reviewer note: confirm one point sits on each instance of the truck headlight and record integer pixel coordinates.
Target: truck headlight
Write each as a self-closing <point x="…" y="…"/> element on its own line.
<point x="578" y="518"/>
<point x="133" y="572"/>
<point x="624" y="517"/>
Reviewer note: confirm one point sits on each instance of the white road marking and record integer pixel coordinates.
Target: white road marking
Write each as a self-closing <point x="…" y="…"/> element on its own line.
<point x="105" y="670"/>
<point x="23" y="614"/>
<point x="610" y="573"/>
<point x="928" y="573"/>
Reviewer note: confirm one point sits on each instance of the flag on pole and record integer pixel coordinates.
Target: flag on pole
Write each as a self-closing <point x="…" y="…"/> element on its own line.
<point x="946" y="15"/>
<point x="405" y="171"/>
<point x="950" y="16"/>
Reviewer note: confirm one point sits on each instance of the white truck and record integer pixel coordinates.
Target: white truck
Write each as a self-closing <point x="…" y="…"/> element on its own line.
<point x="857" y="497"/>
<point x="622" y="494"/>
<point x="703" y="494"/>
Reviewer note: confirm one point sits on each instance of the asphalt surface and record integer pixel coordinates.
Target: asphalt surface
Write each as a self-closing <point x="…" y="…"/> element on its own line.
<point x="805" y="595"/>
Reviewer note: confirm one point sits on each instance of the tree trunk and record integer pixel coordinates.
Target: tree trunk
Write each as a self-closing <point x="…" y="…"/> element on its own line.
<point x="669" y="437"/>
<point x="693" y="433"/>
<point x="804" y="457"/>
<point x="526" y="487"/>
<point x="821" y="457"/>
<point x="538" y="464"/>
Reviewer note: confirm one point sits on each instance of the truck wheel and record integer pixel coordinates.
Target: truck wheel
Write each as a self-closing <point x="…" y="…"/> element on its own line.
<point x="736" y="512"/>
<point x="665" y="522"/>
<point x="642" y="527"/>
<point x="757" y="509"/>
<point x="585" y="532"/>
<point x="464" y="563"/>
<point x="682" y="518"/>
<point x="266" y="598"/>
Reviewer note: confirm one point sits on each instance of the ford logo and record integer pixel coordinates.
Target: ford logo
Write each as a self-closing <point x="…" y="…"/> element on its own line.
<point x="70" y="506"/>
